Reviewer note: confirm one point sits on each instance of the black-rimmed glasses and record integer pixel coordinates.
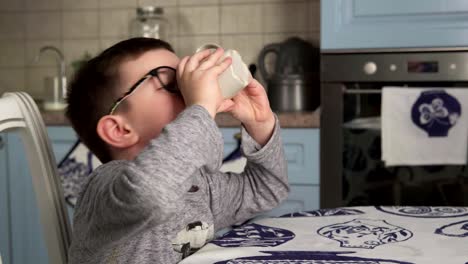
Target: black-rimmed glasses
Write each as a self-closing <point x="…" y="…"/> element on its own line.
<point x="164" y="74"/>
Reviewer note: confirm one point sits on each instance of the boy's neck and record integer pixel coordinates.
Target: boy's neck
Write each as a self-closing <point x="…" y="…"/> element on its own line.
<point x="127" y="153"/>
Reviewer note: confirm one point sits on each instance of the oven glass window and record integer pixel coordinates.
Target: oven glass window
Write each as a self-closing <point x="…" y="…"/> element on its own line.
<point x="366" y="179"/>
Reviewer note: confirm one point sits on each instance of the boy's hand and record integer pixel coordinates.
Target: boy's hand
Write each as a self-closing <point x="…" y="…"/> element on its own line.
<point x="197" y="78"/>
<point x="252" y="108"/>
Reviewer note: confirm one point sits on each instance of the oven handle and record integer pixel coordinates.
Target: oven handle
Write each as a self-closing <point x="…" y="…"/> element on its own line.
<point x="364" y="91"/>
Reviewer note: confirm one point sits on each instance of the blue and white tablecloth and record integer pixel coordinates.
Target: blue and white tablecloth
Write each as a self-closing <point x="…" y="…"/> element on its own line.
<point x="346" y="235"/>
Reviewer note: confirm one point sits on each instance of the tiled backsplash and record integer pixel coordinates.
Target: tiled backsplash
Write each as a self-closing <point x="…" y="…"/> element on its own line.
<point x="80" y="26"/>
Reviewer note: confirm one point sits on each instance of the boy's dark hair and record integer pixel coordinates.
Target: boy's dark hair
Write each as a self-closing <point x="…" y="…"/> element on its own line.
<point x="95" y="87"/>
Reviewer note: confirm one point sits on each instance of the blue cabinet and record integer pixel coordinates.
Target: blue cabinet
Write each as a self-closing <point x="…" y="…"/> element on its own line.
<point x="21" y="239"/>
<point x="301" y="148"/>
<point x="358" y="24"/>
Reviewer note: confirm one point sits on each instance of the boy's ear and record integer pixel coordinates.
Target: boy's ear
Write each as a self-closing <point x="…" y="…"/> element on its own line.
<point x="116" y="131"/>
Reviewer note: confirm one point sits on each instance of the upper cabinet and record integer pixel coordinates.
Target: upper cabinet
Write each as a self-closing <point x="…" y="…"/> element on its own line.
<point x="380" y="24"/>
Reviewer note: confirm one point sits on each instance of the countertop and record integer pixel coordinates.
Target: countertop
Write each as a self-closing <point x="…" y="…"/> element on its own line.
<point x="287" y="119"/>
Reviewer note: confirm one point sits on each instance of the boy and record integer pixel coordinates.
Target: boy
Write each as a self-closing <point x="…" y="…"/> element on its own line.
<point x="159" y="193"/>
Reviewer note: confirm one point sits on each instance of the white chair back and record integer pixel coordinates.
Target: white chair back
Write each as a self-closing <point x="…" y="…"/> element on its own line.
<point x="18" y="112"/>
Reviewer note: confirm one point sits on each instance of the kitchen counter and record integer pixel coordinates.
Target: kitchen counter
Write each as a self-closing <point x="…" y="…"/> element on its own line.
<point x="287" y="119"/>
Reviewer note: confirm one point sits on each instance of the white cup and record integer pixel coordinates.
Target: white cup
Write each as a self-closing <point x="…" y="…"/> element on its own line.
<point x="234" y="78"/>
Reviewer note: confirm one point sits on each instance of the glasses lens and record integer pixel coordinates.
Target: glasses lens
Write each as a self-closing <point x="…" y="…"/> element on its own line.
<point x="168" y="80"/>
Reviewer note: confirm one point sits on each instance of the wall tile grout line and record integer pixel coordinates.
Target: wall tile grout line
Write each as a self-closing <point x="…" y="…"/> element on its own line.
<point x="99" y="27"/>
<point x="262" y="15"/>
<point x="220" y="15"/>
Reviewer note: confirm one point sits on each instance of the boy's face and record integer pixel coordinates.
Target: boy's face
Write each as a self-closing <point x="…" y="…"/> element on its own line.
<point x="151" y="107"/>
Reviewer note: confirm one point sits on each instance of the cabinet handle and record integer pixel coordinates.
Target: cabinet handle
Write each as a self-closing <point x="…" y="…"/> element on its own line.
<point x="1" y="142"/>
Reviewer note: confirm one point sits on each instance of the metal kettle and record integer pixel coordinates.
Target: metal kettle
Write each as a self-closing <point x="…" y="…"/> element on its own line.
<point x="294" y="83"/>
<point x="293" y="92"/>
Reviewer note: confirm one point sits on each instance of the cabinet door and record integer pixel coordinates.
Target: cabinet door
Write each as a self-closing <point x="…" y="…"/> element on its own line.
<point x="230" y="143"/>
<point x="354" y="24"/>
<point x="62" y="139"/>
<point x="27" y="242"/>
<point x="301" y="148"/>
<point x="301" y="198"/>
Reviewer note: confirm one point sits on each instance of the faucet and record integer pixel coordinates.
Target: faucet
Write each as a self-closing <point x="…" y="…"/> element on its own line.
<point x="60" y="65"/>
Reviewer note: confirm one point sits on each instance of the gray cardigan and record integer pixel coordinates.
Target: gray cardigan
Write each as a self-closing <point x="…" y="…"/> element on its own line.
<point x="172" y="197"/>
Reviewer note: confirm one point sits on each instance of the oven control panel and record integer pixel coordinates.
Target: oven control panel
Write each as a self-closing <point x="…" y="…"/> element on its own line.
<point x="414" y="66"/>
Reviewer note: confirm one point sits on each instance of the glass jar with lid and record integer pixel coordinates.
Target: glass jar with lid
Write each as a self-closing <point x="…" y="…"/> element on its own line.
<point x="150" y="23"/>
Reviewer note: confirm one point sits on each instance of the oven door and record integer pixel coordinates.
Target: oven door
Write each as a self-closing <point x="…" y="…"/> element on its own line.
<point x="352" y="171"/>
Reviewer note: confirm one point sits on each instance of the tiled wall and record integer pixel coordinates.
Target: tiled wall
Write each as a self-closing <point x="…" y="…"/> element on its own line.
<point x="79" y="26"/>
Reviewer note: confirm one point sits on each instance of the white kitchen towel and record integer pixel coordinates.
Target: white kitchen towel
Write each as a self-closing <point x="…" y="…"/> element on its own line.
<point x="424" y="126"/>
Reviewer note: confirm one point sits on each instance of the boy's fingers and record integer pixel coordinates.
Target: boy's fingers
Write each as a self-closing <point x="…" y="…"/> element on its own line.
<point x="181" y="66"/>
<point x="226" y="106"/>
<point x="195" y="59"/>
<point x="212" y="59"/>
<point x="220" y="68"/>
<point x="253" y="83"/>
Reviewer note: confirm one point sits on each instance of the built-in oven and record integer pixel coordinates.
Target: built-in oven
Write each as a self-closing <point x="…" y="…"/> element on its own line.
<point x="352" y="170"/>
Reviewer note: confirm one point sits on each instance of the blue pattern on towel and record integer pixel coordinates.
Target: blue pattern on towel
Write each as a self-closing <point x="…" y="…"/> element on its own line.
<point x="307" y="257"/>
<point x="254" y="235"/>
<point x="325" y="212"/>
<point x="436" y="112"/>
<point x="458" y="229"/>
<point x="365" y="233"/>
